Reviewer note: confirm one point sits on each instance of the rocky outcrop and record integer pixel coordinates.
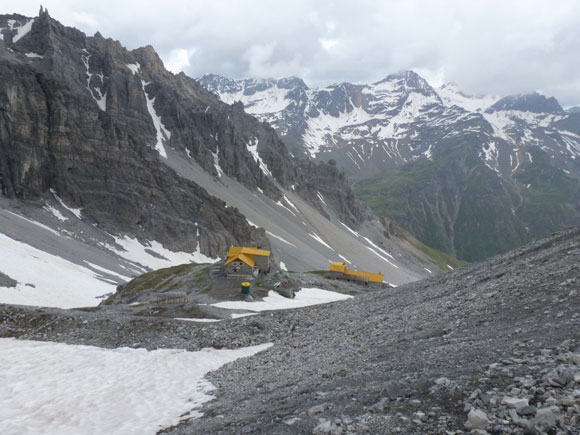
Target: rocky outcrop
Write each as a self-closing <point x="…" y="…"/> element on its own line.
<point x="96" y="123"/>
<point x="326" y="187"/>
<point x="56" y="135"/>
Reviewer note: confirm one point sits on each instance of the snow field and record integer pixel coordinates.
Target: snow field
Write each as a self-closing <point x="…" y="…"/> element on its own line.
<point x="139" y="253"/>
<point x="54" y="388"/>
<point x="47" y="280"/>
<point x="274" y="301"/>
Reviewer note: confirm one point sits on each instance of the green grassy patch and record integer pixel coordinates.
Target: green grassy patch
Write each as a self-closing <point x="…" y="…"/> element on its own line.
<point x="323" y="273"/>
<point x="156" y="279"/>
<point x="439" y="258"/>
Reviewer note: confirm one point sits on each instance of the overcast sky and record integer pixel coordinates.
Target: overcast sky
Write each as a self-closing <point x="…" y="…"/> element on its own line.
<point x="485" y="46"/>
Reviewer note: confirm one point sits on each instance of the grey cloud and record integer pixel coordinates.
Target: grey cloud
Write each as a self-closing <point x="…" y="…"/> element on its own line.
<point x="492" y="47"/>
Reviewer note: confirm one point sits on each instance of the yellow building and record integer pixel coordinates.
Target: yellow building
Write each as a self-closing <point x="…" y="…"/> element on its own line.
<point x="246" y="261"/>
<point x="338" y="270"/>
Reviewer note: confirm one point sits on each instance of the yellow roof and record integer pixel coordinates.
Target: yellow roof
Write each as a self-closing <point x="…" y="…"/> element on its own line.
<point x="337" y="267"/>
<point x="373" y="277"/>
<point x="235" y="250"/>
<point x="341" y="267"/>
<point x="245" y="254"/>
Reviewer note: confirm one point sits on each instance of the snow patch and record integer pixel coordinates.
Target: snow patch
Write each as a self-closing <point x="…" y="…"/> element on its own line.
<point x="70" y="389"/>
<point x="252" y="147"/>
<point x="107" y="271"/>
<point x="100" y="98"/>
<point x="381" y="257"/>
<point x="136" y="252"/>
<point x="321" y="198"/>
<point x="33" y="56"/>
<point x="216" y="162"/>
<point x="57" y="214"/>
<point x="252" y="223"/>
<point x="319" y="240"/>
<point x="452" y="96"/>
<point x="74" y="211"/>
<point x="47" y="280"/>
<point x="269" y="100"/>
<point x="344" y="259"/>
<point x="162" y="133"/>
<point x="134" y="67"/>
<point x="370" y="242"/>
<point x="290" y="203"/>
<point x="280" y="238"/>
<point x="286" y="208"/>
<point x="239" y="315"/>
<point x="490" y="154"/>
<point x="274" y="301"/>
<point x="22" y="30"/>
<point x="198" y="320"/>
<point x="354" y="233"/>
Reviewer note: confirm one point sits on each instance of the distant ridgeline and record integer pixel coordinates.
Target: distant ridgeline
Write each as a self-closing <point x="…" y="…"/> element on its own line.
<point x="472" y="176"/>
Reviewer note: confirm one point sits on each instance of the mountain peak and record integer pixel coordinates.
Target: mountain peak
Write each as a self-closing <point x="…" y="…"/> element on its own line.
<point x="291" y="82"/>
<point x="534" y="102"/>
<point x="409" y="80"/>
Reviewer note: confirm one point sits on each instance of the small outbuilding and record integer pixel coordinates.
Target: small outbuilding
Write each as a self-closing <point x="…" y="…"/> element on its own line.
<point x="243" y="262"/>
<point x="338" y="270"/>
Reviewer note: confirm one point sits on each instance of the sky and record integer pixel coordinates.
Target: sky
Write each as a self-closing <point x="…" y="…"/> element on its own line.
<point x="484" y="46"/>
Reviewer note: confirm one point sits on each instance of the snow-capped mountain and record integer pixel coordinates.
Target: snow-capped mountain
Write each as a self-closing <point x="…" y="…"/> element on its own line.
<point x="436" y="137"/>
<point x="401" y="118"/>
<point x="114" y="165"/>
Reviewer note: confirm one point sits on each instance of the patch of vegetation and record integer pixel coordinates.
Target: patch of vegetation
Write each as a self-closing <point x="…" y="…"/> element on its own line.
<point x="453" y="204"/>
<point x="439" y="258"/>
<point x="156" y="279"/>
<point x="201" y="279"/>
<point x="550" y="199"/>
<point x="323" y="273"/>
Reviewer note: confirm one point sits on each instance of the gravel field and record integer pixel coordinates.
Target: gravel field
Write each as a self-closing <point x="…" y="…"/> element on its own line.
<point x="490" y="348"/>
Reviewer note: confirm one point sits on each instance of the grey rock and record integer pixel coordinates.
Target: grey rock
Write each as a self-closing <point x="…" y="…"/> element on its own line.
<point x="327" y="427"/>
<point x="317" y="409"/>
<point x="6" y="281"/>
<point x="527" y="411"/>
<point x="547" y="418"/>
<point x="515" y="402"/>
<point x="476" y="419"/>
<point x="392" y="390"/>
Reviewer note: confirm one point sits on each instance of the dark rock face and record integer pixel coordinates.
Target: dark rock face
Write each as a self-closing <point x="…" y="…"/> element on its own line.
<point x="55" y="135"/>
<point x="92" y="120"/>
<point x="6" y="281"/>
<point x="528" y="103"/>
<point x="326" y="181"/>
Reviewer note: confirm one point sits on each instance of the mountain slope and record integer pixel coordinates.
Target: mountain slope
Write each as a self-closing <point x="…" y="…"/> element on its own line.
<point x="415" y="359"/>
<point x="439" y="162"/>
<point x="90" y="126"/>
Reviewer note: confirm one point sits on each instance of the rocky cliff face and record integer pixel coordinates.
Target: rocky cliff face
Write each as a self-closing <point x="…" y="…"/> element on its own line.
<point x="461" y="172"/>
<point x="95" y="122"/>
